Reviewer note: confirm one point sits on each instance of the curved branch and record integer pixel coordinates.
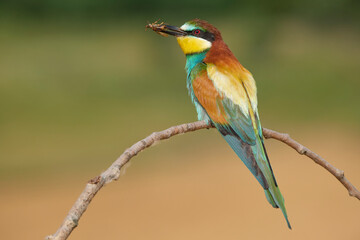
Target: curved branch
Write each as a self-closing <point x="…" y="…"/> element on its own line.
<point x="113" y="172"/>
<point x="339" y="174"/>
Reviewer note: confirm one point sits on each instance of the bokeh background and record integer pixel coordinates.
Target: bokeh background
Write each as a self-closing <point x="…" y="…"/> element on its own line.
<point x="80" y="81"/>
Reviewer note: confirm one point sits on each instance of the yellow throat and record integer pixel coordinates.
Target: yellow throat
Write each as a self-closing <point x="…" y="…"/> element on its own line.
<point x="190" y="44"/>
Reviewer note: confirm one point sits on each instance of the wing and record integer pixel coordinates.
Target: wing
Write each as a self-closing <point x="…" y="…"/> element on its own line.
<point x="230" y="102"/>
<point x="224" y="101"/>
<point x="229" y="118"/>
<point x="229" y="99"/>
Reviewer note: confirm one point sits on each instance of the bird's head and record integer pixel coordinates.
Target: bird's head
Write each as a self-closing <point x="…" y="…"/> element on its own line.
<point x="195" y="36"/>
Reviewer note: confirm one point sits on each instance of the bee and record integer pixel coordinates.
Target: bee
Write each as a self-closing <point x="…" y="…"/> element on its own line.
<point x="157" y="27"/>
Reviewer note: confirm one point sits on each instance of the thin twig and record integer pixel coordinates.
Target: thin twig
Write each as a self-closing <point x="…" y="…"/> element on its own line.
<point x="339" y="174"/>
<point x="113" y="172"/>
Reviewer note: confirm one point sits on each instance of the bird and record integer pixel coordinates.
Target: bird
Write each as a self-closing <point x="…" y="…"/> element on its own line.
<point x="225" y="95"/>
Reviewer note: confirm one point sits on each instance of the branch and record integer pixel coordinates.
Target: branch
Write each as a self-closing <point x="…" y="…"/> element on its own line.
<point x="339" y="174"/>
<point x="113" y="172"/>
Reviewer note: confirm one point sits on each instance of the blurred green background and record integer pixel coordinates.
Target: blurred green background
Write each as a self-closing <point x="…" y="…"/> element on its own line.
<point x="80" y="81"/>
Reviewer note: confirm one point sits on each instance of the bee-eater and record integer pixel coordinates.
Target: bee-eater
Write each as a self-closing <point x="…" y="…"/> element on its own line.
<point x="224" y="94"/>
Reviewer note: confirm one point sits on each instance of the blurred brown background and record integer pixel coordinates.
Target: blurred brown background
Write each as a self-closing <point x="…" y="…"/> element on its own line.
<point x="80" y="81"/>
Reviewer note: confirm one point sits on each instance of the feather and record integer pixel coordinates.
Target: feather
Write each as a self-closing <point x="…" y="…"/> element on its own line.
<point x="233" y="114"/>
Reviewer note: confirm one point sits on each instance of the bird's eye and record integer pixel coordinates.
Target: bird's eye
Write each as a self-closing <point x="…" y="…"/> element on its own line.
<point x="196" y="31"/>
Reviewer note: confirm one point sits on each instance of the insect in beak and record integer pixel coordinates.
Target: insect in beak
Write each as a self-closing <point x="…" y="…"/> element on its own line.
<point x="166" y="30"/>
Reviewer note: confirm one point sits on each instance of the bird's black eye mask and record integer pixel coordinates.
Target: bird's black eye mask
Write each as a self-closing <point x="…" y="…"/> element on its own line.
<point x="201" y="34"/>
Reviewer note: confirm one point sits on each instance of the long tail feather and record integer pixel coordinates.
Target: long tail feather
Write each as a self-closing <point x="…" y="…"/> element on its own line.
<point x="276" y="197"/>
<point x="256" y="160"/>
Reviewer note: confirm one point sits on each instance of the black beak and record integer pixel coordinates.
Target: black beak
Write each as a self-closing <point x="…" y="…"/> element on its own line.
<point x="174" y="31"/>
